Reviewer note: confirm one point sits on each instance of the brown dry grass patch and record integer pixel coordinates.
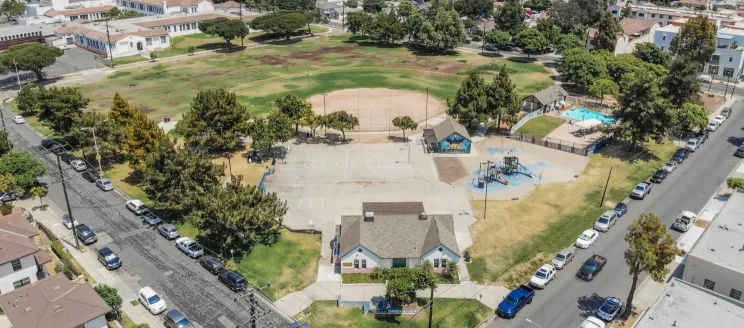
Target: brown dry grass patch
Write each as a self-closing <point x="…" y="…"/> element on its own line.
<point x="702" y="223"/>
<point x="449" y="169"/>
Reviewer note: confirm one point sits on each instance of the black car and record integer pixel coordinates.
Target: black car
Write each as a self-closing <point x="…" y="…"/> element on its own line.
<point x="91" y="176"/>
<point x="67" y="157"/>
<point x="212" y="264"/>
<point x="86" y="234"/>
<point x="47" y="144"/>
<point x="233" y="280"/>
<point x="591" y="267"/>
<point x="659" y="176"/>
<point x="702" y="136"/>
<point x="680" y="155"/>
<point x="109" y="259"/>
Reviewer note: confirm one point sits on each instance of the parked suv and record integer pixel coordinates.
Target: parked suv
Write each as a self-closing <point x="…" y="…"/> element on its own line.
<point x="606" y="221"/>
<point x="136" y="206"/>
<point x="78" y="165"/>
<point x="176" y="319"/>
<point x="739" y="151"/>
<point x="212" y="264"/>
<point x="67" y="158"/>
<point x="168" y="231"/>
<point x="702" y="136"/>
<point x="233" y="280"/>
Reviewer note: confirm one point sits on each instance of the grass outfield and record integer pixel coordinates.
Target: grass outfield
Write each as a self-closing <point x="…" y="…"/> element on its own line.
<point x="508" y="251"/>
<point x="540" y="126"/>
<point x="259" y="74"/>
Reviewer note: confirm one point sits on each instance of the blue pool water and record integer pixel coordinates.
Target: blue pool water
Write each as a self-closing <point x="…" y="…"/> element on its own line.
<point x="585" y="114"/>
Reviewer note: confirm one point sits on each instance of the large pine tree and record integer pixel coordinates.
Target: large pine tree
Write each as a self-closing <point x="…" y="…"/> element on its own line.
<point x="470" y="103"/>
<point x="215" y="121"/>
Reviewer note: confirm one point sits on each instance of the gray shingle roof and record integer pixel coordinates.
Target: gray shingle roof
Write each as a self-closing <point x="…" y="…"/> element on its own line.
<point x="393" y="208"/>
<point x="398" y="236"/>
<point x="448" y="127"/>
<point x="550" y="94"/>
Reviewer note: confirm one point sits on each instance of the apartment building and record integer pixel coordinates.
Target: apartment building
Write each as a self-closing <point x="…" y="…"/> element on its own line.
<point x="21" y="261"/>
<point x="665" y="15"/>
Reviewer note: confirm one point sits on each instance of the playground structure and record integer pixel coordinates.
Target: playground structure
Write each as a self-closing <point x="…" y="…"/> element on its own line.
<point x="509" y="166"/>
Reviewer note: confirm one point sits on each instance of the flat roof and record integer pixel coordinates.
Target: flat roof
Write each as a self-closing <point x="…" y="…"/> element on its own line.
<point x="722" y="241"/>
<point x="683" y="304"/>
<point x="669" y="28"/>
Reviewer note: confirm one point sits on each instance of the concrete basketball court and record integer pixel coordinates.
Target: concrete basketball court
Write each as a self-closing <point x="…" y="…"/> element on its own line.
<point x="376" y="107"/>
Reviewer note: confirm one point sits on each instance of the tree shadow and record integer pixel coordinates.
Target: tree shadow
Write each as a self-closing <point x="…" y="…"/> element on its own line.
<point x="522" y="59"/>
<point x="330" y="138"/>
<point x="620" y="149"/>
<point x="397" y="139"/>
<point x="589" y="304"/>
<point x="421" y="50"/>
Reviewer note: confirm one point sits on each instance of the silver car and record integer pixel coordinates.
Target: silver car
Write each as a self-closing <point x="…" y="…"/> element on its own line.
<point x="670" y="167"/>
<point x="563" y="257"/>
<point x="104" y="184"/>
<point x="168" y="231"/>
<point x="606" y="221"/>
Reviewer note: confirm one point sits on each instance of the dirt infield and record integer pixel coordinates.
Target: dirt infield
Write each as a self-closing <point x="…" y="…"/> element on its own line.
<point x="377" y="107"/>
<point x="449" y="169"/>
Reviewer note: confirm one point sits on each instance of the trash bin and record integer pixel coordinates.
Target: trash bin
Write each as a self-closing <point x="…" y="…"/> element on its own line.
<point x="166" y="119"/>
<point x="481" y="183"/>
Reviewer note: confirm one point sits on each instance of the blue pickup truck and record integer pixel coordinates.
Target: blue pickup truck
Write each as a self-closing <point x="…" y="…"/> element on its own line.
<point x="515" y="301"/>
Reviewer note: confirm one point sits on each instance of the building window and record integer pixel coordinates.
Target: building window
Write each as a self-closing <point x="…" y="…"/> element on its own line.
<point x="735" y="294"/>
<point x="364" y="263"/>
<point x="148" y="41"/>
<point x="661" y="16"/>
<point x="163" y="39"/>
<point x="653" y="15"/>
<point x="731" y="59"/>
<point x="709" y="284"/>
<point x="713" y="69"/>
<point x="193" y="9"/>
<point x="193" y="26"/>
<point x="641" y="15"/>
<point x="614" y="12"/>
<point x="16" y="264"/>
<point x="663" y="38"/>
<point x="356" y="264"/>
<point x="20" y="283"/>
<point x="728" y="71"/>
<point x="444" y="263"/>
<point x="436" y="263"/>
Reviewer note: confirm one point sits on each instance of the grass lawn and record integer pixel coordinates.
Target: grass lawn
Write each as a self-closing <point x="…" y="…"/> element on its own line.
<point x="129" y="59"/>
<point x="259" y="74"/>
<point x="448" y="313"/>
<point x="123" y="179"/>
<point x="540" y="126"/>
<point x="507" y="251"/>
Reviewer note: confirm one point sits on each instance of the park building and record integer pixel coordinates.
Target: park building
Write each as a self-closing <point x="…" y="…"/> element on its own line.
<point x="448" y="137"/>
<point x="60" y="11"/>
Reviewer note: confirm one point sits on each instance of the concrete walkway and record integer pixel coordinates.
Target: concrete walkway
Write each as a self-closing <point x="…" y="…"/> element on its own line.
<point x="127" y="285"/>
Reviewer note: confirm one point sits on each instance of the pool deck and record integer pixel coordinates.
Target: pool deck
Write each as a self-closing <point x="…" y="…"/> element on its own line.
<point x="564" y="133"/>
<point x="594" y="114"/>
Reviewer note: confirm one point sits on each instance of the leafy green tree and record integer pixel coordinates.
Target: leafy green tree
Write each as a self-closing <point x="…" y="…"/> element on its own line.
<point x="357" y="21"/>
<point x="444" y="31"/>
<point x="607" y="30"/>
<point x="567" y="41"/>
<point x="266" y="132"/>
<point x="690" y="116"/>
<point x="31" y="56"/>
<point x="388" y="27"/>
<point x="681" y="85"/>
<point x="580" y="67"/>
<point x="498" y="39"/>
<point x="105" y="132"/>
<point x="593" y="10"/>
<point x="9" y="182"/>
<point x="567" y="16"/>
<point x="471" y="101"/>
<point x="474" y="8"/>
<point x="282" y="23"/>
<point x="502" y="99"/>
<point x="24" y="167"/>
<point x="406" y="9"/>
<point x="549" y="30"/>
<point x="142" y="137"/>
<point x="60" y="107"/>
<point x="215" y="120"/>
<point x="226" y="28"/>
<point x="643" y="111"/>
<point x="110" y="295"/>
<point x="651" y="53"/>
<point x="373" y="6"/>
<point x="405" y="123"/>
<point x="510" y="17"/>
<point x="191" y="50"/>
<point x="352" y="4"/>
<point x="650" y="248"/>
<point x="312" y="17"/>
<point x="114" y="12"/>
<point x="452" y="269"/>
<point x="40" y="192"/>
<point x="295" y="4"/>
<point x="626" y="12"/>
<point x="603" y="87"/>
<point x="5" y="145"/>
<point x="11" y="8"/>
<point x="696" y="40"/>
<point x="121" y="117"/>
<point x="413" y="25"/>
<point x="531" y="40"/>
<point x="341" y="121"/>
<point x="28" y="99"/>
<point x="153" y="56"/>
<point x="313" y="121"/>
<point x="294" y="108"/>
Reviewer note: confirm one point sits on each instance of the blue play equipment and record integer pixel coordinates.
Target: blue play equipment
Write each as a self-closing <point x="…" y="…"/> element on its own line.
<point x="499" y="173"/>
<point x="262" y="183"/>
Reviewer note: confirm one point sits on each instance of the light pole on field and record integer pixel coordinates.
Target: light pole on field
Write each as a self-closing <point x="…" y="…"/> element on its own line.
<point x="324" y="111"/>
<point x="95" y="145"/>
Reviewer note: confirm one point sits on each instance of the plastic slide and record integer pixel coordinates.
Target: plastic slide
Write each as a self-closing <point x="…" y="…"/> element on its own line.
<point x="529" y="174"/>
<point x="502" y="177"/>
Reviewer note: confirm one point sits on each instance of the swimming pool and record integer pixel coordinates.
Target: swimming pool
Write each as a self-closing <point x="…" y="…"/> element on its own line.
<point x="585" y="114"/>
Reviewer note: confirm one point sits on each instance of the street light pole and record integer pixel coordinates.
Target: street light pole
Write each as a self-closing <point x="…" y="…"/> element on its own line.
<point x="485" y="200"/>
<point x="67" y="201"/>
<point x="427" y="108"/>
<point x="95" y="145"/>
<point x="18" y="77"/>
<point x="324" y="112"/>
<point x="532" y="322"/>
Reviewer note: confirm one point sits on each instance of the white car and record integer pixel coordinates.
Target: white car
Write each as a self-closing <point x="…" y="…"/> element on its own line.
<point x="712" y="126"/>
<point x="610" y="309"/>
<point x="78" y="165"/>
<point x="670" y="167"/>
<point x="136" y="206"/>
<point x="190" y="247"/>
<point x="544" y="275"/>
<point x="19" y="119"/>
<point x="719" y="119"/>
<point x="592" y="322"/>
<point x="152" y="301"/>
<point x="692" y="144"/>
<point x="67" y="221"/>
<point x="587" y="238"/>
<point x="684" y="221"/>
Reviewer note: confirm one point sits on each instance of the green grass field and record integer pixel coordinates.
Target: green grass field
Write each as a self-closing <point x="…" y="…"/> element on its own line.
<point x="540" y="126"/>
<point x="448" y="313"/>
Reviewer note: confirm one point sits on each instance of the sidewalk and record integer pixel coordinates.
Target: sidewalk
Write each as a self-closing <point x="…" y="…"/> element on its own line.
<point x="127" y="285"/>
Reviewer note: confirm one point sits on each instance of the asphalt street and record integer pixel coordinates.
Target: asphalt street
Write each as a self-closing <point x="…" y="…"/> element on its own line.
<point x="181" y="281"/>
<point x="567" y="301"/>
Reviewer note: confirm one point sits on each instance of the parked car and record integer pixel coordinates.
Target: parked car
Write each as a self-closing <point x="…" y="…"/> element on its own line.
<point x="168" y="231"/>
<point x="86" y="234"/>
<point x="692" y="144"/>
<point x="91" y="176"/>
<point x="47" y="144"/>
<point x="592" y="322"/>
<point x="680" y="155"/>
<point x="19" y="119"/>
<point x="606" y="221"/>
<point x="705" y="78"/>
<point x="587" y="238"/>
<point x="212" y="264"/>
<point x="67" y="157"/>
<point x="719" y="119"/>
<point x="151" y="300"/>
<point x="78" y="165"/>
<point x="298" y="324"/>
<point x="67" y="221"/>
<point x="515" y="301"/>
<point x="8" y="196"/>
<point x="659" y="176"/>
<point x="233" y="280"/>
<point x="543" y="276"/>
<point x="739" y="151"/>
<point x="621" y="209"/>
<point x="726" y="111"/>
<point x="702" y="136"/>
<point x="641" y="190"/>
<point x="136" y="206"/>
<point x="712" y="126"/>
<point x="109" y="259"/>
<point x="176" y="319"/>
<point x="151" y="219"/>
<point x="563" y="257"/>
<point x="670" y="166"/>
<point x="104" y="184"/>
<point x="684" y="221"/>
<point x="190" y="247"/>
<point x="610" y="309"/>
<point x="591" y="267"/>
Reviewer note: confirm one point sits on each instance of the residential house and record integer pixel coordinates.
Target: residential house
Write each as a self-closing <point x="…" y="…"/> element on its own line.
<point x="448" y="137"/>
<point x="123" y="43"/>
<point x="716" y="261"/>
<point x="179" y="25"/>
<point x="483" y="25"/>
<point x="395" y="235"/>
<point x="546" y="99"/>
<point x="665" y="15"/>
<point x="21" y="261"/>
<point x="17" y="34"/>
<point x="55" y="302"/>
<point x="159" y="7"/>
<point x="634" y="31"/>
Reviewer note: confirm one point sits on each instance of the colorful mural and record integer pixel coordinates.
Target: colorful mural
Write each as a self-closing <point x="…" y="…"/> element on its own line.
<point x="455" y="143"/>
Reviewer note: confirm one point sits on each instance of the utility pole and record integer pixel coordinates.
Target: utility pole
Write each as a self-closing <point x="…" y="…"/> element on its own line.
<point x="95" y="145"/>
<point x="253" y="309"/>
<point x="18" y="78"/>
<point x="486" y="178"/>
<point x="242" y="40"/>
<point x="324" y="112"/>
<point x="427" y="108"/>
<point x="605" y="188"/>
<point x="727" y="84"/>
<point x="108" y="36"/>
<point x="67" y="201"/>
<point x="431" y="306"/>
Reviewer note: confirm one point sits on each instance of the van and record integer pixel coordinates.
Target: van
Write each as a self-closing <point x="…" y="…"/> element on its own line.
<point x="606" y="221"/>
<point x="705" y="78"/>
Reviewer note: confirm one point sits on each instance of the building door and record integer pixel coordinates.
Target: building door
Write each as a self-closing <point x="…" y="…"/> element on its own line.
<point x="139" y="46"/>
<point x="399" y="263"/>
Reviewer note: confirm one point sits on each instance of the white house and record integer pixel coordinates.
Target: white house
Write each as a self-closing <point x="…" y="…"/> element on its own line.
<point x="178" y="25"/>
<point x="665" y="15"/>
<point x="21" y="262"/>
<point x="159" y="7"/>
<point x="634" y="31"/>
<point x="395" y="235"/>
<point x="123" y="43"/>
<point x="727" y="61"/>
<point x="55" y="302"/>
